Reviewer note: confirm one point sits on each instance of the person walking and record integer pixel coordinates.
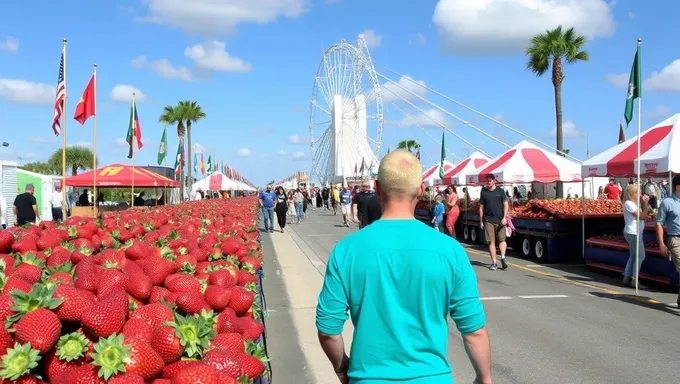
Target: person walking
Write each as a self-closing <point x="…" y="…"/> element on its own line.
<point x="453" y="211"/>
<point x="438" y="211"/>
<point x="668" y="216"/>
<point x="493" y="208"/>
<point x="345" y="204"/>
<point x="55" y="202"/>
<point x="291" y="206"/>
<point x="365" y="206"/>
<point x="3" y="212"/>
<point x="634" y="218"/>
<point x="26" y="207"/>
<point x="378" y="272"/>
<point x="299" y="199"/>
<point x="313" y="194"/>
<point x="267" y="200"/>
<point x="281" y="207"/>
<point x="335" y="199"/>
<point x="651" y="190"/>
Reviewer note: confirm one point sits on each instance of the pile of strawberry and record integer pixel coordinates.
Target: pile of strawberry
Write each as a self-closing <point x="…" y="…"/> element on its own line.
<point x="162" y="295"/>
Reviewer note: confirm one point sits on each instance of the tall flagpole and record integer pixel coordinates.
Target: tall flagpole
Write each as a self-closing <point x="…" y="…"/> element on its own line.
<point x="638" y="239"/>
<point x="94" y="147"/>
<point x="63" y="138"/>
<point x="165" y="167"/>
<point x="132" y="148"/>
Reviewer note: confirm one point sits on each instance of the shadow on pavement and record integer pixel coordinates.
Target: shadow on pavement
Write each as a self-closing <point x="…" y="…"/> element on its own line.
<point x="640" y="301"/>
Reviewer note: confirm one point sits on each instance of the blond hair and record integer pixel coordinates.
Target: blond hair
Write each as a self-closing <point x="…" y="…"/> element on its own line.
<point x="629" y="193"/>
<point x="400" y="175"/>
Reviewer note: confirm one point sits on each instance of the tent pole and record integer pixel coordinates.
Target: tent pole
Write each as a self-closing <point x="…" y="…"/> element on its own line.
<point x="94" y="149"/>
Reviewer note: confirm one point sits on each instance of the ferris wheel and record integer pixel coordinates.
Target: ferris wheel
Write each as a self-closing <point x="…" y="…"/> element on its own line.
<point x="345" y="114"/>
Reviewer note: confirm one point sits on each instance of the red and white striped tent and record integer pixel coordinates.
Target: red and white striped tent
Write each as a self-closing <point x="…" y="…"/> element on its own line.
<point x="472" y="162"/>
<point x="659" y="153"/>
<point x="431" y="175"/>
<point x="527" y="163"/>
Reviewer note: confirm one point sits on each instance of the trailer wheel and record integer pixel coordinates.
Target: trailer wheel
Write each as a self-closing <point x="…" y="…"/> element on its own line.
<point x="541" y="250"/>
<point x="526" y="247"/>
<point x="466" y="233"/>
<point x="474" y="235"/>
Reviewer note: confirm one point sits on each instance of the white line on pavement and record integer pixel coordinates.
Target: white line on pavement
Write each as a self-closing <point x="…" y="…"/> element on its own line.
<point x="542" y="296"/>
<point x="534" y="266"/>
<point x="496" y="298"/>
<point x="320" y="234"/>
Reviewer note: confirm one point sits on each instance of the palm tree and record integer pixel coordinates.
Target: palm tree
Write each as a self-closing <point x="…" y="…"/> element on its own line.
<point x="191" y="113"/>
<point x="77" y="158"/>
<point x="409" y="145"/>
<point x="40" y="167"/>
<point x="549" y="51"/>
<point x="173" y="115"/>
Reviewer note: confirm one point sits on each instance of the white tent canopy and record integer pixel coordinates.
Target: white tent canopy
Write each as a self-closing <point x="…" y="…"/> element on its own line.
<point x="431" y="175"/>
<point x="215" y="182"/>
<point x="659" y="153"/>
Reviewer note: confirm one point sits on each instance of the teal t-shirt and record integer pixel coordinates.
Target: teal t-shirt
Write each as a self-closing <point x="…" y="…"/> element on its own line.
<point x="399" y="280"/>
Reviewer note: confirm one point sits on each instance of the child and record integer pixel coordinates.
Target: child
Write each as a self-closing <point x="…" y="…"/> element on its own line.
<point x="438" y="213"/>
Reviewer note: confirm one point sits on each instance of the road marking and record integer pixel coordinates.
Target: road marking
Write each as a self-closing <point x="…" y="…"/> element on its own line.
<point x="496" y="298"/>
<point x="320" y="234"/>
<point x="542" y="296"/>
<point x="534" y="266"/>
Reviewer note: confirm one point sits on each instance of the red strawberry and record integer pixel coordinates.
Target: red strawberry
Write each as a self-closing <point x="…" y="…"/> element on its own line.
<point x="226" y="364"/>
<point x="84" y="374"/>
<point x="137" y="284"/>
<point x="171" y="370"/>
<point x="200" y="373"/>
<point x="70" y="353"/>
<point x="18" y="364"/>
<point x="241" y="300"/>
<point x="223" y="278"/>
<point x="246" y="277"/>
<point x="137" y="328"/>
<point x="153" y="314"/>
<point x="252" y="261"/>
<point x="107" y="316"/>
<point x="217" y="297"/>
<point x="252" y="363"/>
<point x="5" y="341"/>
<point x="6" y="241"/>
<point x="47" y="240"/>
<point x="252" y="329"/>
<point x="25" y="244"/>
<point x="166" y="343"/>
<point x="182" y="283"/>
<point x="158" y="294"/>
<point x="110" y="279"/>
<point x="41" y="328"/>
<point x="232" y="342"/>
<point x="191" y="302"/>
<point x="143" y="360"/>
<point x="17" y="283"/>
<point x="6" y="302"/>
<point x="75" y="302"/>
<point x="158" y="269"/>
<point x="58" y="256"/>
<point x="127" y="379"/>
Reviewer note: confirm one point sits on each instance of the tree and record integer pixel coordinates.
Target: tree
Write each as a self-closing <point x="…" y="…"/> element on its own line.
<point x="409" y="145"/>
<point x="40" y="167"/>
<point x="549" y="51"/>
<point x="77" y="158"/>
<point x="191" y="112"/>
<point x="173" y="115"/>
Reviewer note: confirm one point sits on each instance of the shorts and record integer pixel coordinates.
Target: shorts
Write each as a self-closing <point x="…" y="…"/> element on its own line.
<point x="494" y="233"/>
<point x="674" y="251"/>
<point x="346" y="209"/>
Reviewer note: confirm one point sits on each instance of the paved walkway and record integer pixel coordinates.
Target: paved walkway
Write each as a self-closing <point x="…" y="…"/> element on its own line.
<point x="548" y="323"/>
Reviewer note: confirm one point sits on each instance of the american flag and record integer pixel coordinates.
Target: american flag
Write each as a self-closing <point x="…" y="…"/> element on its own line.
<point x="59" y="102"/>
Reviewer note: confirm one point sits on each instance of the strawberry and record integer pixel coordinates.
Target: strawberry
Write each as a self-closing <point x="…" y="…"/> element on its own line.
<point x="5" y="341"/>
<point x="232" y="342"/>
<point x="186" y="335"/>
<point x="254" y="262"/>
<point x="137" y="284"/>
<point x="25" y="244"/>
<point x="153" y="314"/>
<point x="6" y="304"/>
<point x="241" y="300"/>
<point x="75" y="302"/>
<point x="252" y="329"/>
<point x="200" y="373"/>
<point x="226" y="322"/>
<point x="217" y="297"/>
<point x="246" y="276"/>
<point x="158" y="269"/>
<point x="222" y="277"/>
<point x="127" y="379"/>
<point x="70" y="353"/>
<point x="110" y="279"/>
<point x="143" y="360"/>
<point x="137" y="328"/>
<point x="226" y="364"/>
<point x="6" y="241"/>
<point x="181" y="283"/>
<point x="16" y="283"/>
<point x="84" y="374"/>
<point x="59" y="255"/>
<point x="47" y="240"/>
<point x="107" y="316"/>
<point x="30" y="267"/>
<point x="19" y="362"/>
<point x="191" y="302"/>
<point x="40" y="328"/>
<point x="158" y="294"/>
<point x="171" y="370"/>
<point x="167" y="344"/>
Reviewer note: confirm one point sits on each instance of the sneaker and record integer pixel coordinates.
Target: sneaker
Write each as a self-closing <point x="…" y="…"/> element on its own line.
<point x="493" y="267"/>
<point x="626" y="281"/>
<point x="271" y="231"/>
<point x="504" y="265"/>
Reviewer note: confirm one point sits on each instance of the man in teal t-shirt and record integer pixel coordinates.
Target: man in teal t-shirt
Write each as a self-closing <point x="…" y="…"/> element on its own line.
<point x="399" y="280"/>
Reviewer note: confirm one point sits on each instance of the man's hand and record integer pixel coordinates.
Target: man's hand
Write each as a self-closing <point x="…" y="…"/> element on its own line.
<point x="344" y="379"/>
<point x="481" y="225"/>
<point x="504" y="221"/>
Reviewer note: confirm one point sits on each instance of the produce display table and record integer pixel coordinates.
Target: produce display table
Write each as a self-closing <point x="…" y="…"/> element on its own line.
<point x="267" y="377"/>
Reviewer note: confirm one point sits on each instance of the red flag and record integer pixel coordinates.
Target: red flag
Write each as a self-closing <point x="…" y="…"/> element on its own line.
<point x="86" y="107"/>
<point x="622" y="135"/>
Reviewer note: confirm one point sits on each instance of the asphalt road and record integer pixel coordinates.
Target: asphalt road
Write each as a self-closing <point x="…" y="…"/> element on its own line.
<point x="559" y="324"/>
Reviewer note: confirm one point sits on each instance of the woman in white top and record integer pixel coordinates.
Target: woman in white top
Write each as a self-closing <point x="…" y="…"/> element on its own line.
<point x="635" y="221"/>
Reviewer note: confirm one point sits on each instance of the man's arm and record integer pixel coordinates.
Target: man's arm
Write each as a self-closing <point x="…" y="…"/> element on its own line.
<point x="261" y="200"/>
<point x="35" y="207"/>
<point x="465" y="308"/>
<point x="481" y="213"/>
<point x="331" y="314"/>
<point x="660" y="220"/>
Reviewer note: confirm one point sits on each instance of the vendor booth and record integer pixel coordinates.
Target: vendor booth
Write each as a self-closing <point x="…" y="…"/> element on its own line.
<point x="117" y="176"/>
<point x="219" y="182"/>
<point x="44" y="188"/>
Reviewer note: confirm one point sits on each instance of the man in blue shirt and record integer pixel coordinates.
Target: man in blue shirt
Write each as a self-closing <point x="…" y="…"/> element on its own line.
<point x="345" y="204"/>
<point x="669" y="216"/>
<point x="267" y="201"/>
<point x="400" y="280"/>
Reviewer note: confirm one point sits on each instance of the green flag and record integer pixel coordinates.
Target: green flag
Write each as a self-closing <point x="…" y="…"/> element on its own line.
<point x="209" y="167"/>
<point x="441" y="162"/>
<point x="634" y="85"/>
<point x="162" y="147"/>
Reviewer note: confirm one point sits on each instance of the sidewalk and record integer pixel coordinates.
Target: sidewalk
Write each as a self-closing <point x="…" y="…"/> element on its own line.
<point x="291" y="286"/>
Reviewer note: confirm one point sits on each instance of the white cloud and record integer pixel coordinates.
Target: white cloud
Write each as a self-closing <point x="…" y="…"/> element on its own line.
<point x="197" y="148"/>
<point x="86" y="144"/>
<point x="283" y="153"/>
<point x="479" y="27"/>
<point x="164" y="68"/>
<point x="212" y="56"/>
<point x="299" y="155"/>
<point x="427" y="119"/>
<point x="297" y="139"/>
<point x="373" y="40"/>
<point x="417" y="39"/>
<point x="397" y="92"/>
<point x="659" y="112"/>
<point x="211" y="17"/>
<point x="26" y="92"/>
<point x="244" y="152"/>
<point x="9" y="44"/>
<point x="666" y="80"/>
<point x="569" y="130"/>
<point x="122" y="93"/>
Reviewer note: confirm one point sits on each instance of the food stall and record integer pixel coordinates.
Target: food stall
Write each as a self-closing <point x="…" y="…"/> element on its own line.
<point x="116" y="176"/>
<point x="659" y="148"/>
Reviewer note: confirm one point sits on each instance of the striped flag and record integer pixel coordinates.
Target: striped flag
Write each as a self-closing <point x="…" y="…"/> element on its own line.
<point x="61" y="94"/>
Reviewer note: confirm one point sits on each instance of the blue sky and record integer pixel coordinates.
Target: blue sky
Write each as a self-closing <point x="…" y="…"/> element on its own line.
<point x="251" y="65"/>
